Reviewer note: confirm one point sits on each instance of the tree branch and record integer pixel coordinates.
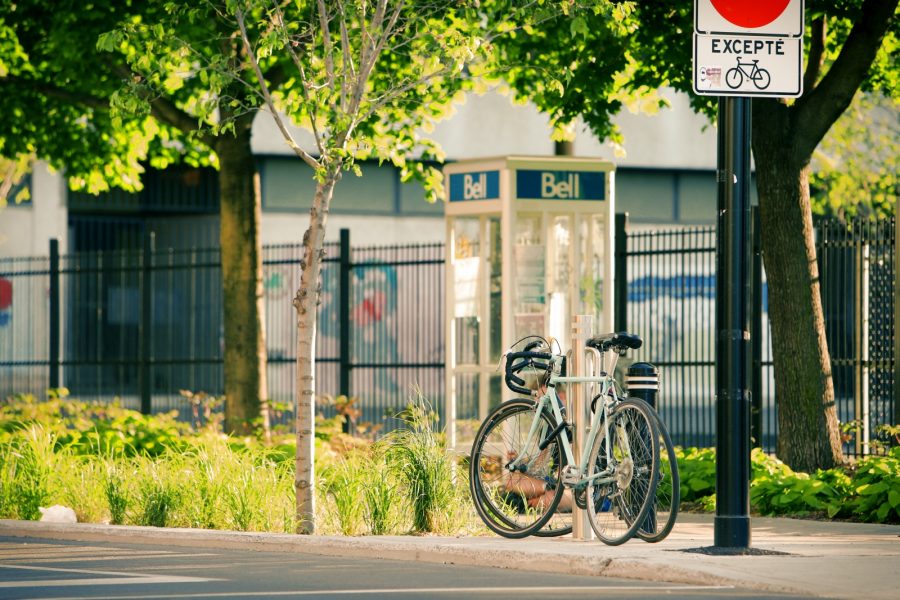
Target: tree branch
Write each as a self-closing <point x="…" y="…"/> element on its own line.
<point x="821" y="106"/>
<point x="816" y="57"/>
<point x="11" y="83"/>
<point x="251" y="56"/>
<point x="304" y="80"/>
<point x="326" y="43"/>
<point x="167" y="111"/>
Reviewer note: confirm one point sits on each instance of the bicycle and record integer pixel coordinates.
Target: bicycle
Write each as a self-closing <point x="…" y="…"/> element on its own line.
<point x="523" y="451"/>
<point x="734" y="77"/>
<point x="664" y="507"/>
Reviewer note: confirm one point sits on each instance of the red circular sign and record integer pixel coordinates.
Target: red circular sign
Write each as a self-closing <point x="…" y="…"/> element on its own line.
<point x="750" y="14"/>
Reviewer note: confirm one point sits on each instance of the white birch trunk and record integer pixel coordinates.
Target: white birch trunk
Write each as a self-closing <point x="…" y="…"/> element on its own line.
<point x="305" y="302"/>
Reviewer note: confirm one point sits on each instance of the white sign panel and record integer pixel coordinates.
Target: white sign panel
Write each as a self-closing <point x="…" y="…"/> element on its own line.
<point x="783" y="18"/>
<point x="727" y="65"/>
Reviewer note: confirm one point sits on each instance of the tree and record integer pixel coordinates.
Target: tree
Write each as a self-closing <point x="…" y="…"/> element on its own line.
<point x="57" y="87"/>
<point x="785" y="135"/>
<point x="852" y="45"/>
<point x="368" y="78"/>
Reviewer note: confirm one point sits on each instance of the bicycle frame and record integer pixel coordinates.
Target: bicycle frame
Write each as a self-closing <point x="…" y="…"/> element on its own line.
<point x="609" y="398"/>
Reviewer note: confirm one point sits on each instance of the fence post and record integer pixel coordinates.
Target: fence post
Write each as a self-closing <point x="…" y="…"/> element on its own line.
<point x="756" y="269"/>
<point x="344" y="318"/>
<point x="146" y="316"/>
<point x="54" y="313"/>
<point x="896" y="361"/>
<point x="621" y="273"/>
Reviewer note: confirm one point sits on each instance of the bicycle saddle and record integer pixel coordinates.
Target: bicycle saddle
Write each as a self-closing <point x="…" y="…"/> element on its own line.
<point x="621" y="339"/>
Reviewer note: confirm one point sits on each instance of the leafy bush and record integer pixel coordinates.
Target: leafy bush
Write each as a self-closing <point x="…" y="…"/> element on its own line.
<point x="775" y="489"/>
<point x="876" y="488"/>
<point x="697" y="470"/>
<point x="866" y="491"/>
<point x="91" y="428"/>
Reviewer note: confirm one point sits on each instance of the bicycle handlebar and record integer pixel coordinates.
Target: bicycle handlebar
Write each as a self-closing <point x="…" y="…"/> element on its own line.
<point x="525" y="358"/>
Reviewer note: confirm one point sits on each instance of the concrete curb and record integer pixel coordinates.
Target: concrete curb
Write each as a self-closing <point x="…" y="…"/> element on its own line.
<point x="557" y="556"/>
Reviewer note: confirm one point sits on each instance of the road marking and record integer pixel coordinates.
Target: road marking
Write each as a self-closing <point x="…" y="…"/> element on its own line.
<point x="112" y="578"/>
<point x="118" y="557"/>
<point x="415" y="591"/>
<point x="51" y="550"/>
<point x="129" y="579"/>
<point x="262" y="563"/>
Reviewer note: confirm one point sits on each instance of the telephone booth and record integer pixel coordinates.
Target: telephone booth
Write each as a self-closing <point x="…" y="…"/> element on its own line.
<point x="530" y="245"/>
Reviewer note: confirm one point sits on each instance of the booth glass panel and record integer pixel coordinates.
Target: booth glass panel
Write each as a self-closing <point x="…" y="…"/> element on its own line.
<point x="529" y="278"/>
<point x="466" y="275"/>
<point x="561" y="278"/>
<point x="467" y="417"/>
<point x="495" y="392"/>
<point x="592" y="277"/>
<point x="495" y="303"/>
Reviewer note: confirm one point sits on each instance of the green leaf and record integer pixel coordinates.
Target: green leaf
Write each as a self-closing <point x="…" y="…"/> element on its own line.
<point x="698" y="484"/>
<point x="578" y="27"/>
<point x="875" y="488"/>
<point x="894" y="498"/>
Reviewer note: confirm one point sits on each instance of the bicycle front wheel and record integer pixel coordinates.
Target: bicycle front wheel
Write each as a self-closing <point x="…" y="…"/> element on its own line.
<point x="664" y="507"/>
<point x="516" y="484"/>
<point x="623" y="471"/>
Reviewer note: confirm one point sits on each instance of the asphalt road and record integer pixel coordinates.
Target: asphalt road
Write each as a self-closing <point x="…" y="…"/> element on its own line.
<point x="33" y="568"/>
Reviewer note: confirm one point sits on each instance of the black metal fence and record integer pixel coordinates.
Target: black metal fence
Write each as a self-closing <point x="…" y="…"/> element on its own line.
<point x="670" y="300"/>
<point x="141" y="325"/>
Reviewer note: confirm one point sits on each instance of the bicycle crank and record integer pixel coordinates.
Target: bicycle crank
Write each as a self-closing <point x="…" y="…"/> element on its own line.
<point x="625" y="473"/>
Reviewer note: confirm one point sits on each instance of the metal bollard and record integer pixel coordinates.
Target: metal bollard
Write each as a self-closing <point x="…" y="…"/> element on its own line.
<point x="642" y="381"/>
<point x="582" y="326"/>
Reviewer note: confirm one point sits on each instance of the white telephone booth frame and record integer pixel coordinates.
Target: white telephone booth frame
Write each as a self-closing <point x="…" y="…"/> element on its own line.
<point x="501" y="193"/>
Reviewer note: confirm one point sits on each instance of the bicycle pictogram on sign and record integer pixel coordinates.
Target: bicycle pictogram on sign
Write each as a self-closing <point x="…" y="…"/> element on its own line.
<point x="734" y="77"/>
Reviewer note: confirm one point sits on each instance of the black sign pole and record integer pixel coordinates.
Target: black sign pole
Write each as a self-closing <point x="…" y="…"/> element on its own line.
<point x="733" y="355"/>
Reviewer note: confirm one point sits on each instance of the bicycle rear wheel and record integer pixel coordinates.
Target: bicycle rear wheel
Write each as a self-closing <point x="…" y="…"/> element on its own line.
<point x="664" y="507"/>
<point x="515" y="504"/>
<point x="623" y="480"/>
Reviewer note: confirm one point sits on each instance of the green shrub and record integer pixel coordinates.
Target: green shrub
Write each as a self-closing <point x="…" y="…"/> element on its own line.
<point x="775" y="489"/>
<point x="93" y="428"/>
<point x="697" y="470"/>
<point x="876" y="488"/>
<point x="866" y="491"/>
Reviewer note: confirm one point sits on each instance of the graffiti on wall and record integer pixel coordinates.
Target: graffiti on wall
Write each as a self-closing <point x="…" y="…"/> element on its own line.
<point x="5" y="302"/>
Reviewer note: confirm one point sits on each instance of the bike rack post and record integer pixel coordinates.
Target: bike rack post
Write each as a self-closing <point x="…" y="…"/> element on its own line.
<point x="582" y="328"/>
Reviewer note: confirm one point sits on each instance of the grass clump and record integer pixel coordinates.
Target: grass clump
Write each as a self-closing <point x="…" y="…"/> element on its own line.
<point x="419" y="456"/>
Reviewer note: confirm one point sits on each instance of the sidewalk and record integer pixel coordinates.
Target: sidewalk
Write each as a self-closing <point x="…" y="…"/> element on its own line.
<point x="833" y="560"/>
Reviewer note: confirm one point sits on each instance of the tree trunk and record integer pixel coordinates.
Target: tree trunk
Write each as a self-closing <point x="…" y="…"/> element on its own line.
<point x="808" y="432"/>
<point x="241" y="250"/>
<point x="306" y="301"/>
